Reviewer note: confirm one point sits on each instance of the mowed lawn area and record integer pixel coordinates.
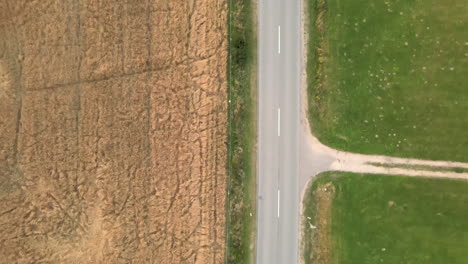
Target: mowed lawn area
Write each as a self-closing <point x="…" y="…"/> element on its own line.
<point x="389" y="219"/>
<point x="390" y="77"/>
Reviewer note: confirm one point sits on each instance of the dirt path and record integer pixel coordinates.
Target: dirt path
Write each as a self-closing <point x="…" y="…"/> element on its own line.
<point x="317" y="157"/>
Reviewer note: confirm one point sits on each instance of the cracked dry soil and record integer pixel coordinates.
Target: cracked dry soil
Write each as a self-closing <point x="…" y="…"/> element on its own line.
<point x="112" y="131"/>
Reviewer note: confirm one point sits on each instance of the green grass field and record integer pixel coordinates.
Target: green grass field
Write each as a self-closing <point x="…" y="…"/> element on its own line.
<point x="390" y="77"/>
<point x="241" y="207"/>
<point x="393" y="219"/>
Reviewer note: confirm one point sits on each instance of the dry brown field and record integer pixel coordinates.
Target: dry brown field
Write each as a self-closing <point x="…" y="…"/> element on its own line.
<point x="112" y="131"/>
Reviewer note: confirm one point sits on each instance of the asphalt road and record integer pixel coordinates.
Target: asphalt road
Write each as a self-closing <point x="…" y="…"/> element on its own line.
<point x="278" y="128"/>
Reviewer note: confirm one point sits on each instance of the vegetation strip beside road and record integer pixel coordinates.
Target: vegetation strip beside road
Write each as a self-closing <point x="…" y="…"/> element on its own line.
<point x="316" y="55"/>
<point x="420" y="167"/>
<point x="389" y="219"/>
<point x="316" y="227"/>
<point x="388" y="77"/>
<point x="241" y="202"/>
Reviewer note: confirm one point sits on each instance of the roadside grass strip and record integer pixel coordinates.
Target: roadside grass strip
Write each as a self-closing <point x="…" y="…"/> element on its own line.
<point x="241" y="189"/>
<point x="420" y="167"/>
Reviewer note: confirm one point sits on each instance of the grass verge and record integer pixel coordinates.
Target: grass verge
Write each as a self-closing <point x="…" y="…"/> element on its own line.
<point x="390" y="219"/>
<point x="389" y="77"/>
<point x="420" y="167"/>
<point x="241" y="202"/>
